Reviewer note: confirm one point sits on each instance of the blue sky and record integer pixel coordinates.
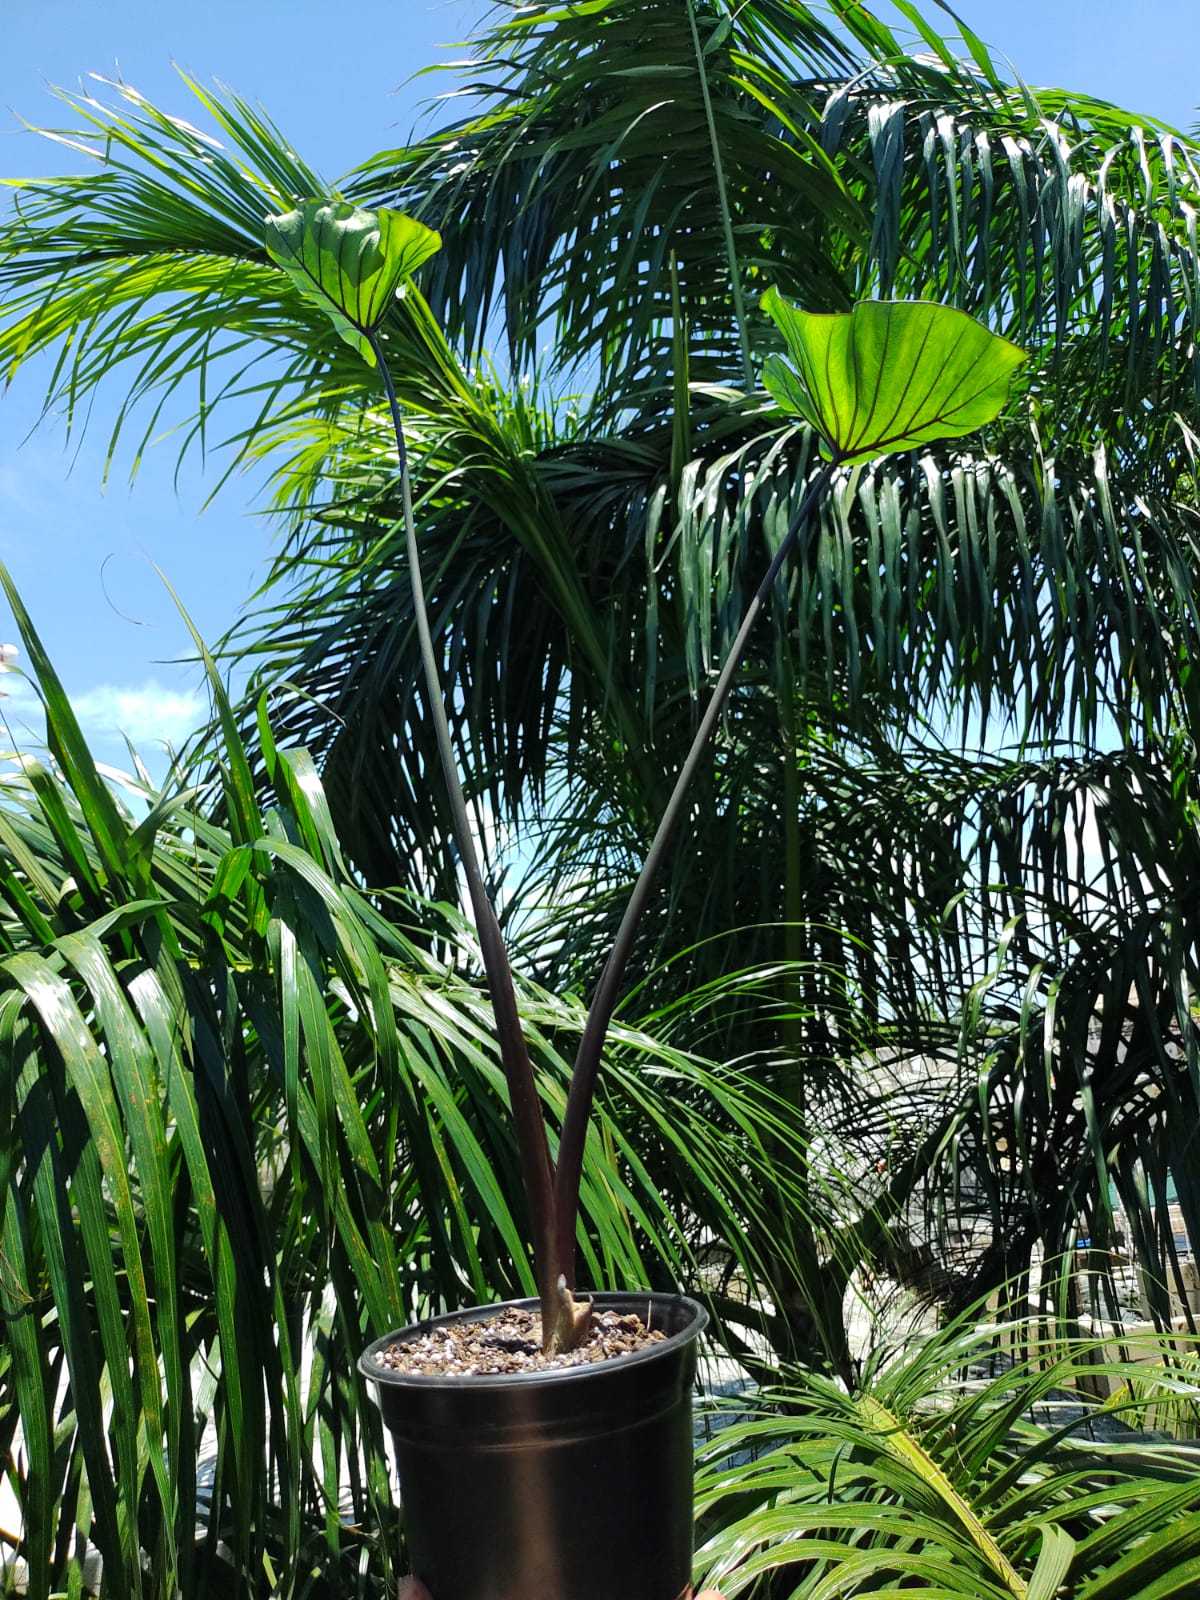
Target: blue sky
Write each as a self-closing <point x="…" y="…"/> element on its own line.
<point x="338" y="82"/>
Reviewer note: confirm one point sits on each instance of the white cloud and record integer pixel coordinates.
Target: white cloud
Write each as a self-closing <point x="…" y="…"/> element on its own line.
<point x="16" y="492"/>
<point x="145" y="713"/>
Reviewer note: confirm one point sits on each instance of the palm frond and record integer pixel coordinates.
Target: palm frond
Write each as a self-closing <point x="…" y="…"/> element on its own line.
<point x="603" y="146"/>
<point x="926" y="1478"/>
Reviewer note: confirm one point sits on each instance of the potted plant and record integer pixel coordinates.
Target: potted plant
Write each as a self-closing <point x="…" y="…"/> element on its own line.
<point x="575" y="1476"/>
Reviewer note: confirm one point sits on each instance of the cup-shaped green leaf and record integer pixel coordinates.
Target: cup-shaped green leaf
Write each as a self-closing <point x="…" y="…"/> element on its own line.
<point x="349" y="261"/>
<point x="888" y="375"/>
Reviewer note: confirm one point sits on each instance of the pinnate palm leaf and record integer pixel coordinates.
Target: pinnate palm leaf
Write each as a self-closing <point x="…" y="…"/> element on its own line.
<point x="925" y="1480"/>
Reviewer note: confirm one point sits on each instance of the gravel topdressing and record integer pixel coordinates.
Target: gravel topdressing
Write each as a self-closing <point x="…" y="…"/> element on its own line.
<point x="512" y="1342"/>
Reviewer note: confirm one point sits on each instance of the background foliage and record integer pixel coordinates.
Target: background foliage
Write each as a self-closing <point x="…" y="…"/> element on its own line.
<point x="253" y="1127"/>
<point x="930" y="948"/>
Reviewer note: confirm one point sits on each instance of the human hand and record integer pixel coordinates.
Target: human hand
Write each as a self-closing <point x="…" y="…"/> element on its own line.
<point x="414" y="1589"/>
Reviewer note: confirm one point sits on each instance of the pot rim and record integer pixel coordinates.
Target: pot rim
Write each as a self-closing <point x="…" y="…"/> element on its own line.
<point x="499" y="1380"/>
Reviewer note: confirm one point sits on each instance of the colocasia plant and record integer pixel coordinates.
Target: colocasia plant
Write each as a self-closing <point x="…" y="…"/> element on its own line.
<point x="886" y="376"/>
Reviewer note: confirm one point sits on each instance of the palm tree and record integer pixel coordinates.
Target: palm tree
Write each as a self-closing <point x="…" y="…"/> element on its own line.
<point x="1041" y="584"/>
<point x="637" y="173"/>
<point x="1025" y="919"/>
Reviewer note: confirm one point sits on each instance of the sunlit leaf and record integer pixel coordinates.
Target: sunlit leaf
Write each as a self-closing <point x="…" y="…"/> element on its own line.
<point x="349" y="261"/>
<point x="915" y="1482"/>
<point x="889" y="375"/>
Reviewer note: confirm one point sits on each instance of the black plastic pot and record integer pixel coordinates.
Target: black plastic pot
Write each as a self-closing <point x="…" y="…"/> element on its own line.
<point x="567" y="1485"/>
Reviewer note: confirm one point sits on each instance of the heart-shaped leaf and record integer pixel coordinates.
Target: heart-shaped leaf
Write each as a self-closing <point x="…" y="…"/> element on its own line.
<point x="888" y="375"/>
<point x="349" y="261"/>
